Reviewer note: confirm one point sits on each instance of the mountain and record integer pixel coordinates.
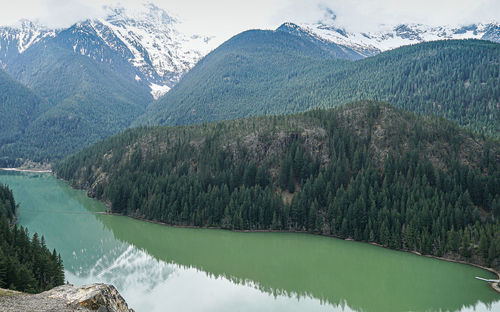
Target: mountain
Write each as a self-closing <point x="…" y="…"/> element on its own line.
<point x="19" y="106"/>
<point x="337" y="50"/>
<point x="247" y="75"/>
<point x="268" y="72"/>
<point x="147" y="42"/>
<point x="96" y="76"/>
<point x="366" y="171"/>
<point x="371" y="43"/>
<point x="313" y="34"/>
<point x="88" y="100"/>
<point x="16" y="40"/>
<point x="160" y="51"/>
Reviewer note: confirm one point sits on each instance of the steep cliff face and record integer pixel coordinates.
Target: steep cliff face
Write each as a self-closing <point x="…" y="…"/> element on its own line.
<point x="94" y="297"/>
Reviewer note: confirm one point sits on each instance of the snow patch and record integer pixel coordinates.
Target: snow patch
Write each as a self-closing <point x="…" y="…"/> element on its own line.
<point x="25" y="34"/>
<point x="158" y="91"/>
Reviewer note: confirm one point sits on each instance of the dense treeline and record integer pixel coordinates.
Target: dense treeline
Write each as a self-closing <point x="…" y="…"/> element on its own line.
<point x="365" y="171"/>
<point x="7" y="203"/>
<point x="252" y="75"/>
<point x="26" y="264"/>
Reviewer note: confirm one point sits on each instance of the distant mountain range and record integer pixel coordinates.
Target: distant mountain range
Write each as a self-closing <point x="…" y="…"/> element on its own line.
<point x="262" y="72"/>
<point x="65" y="89"/>
<point x="159" y="53"/>
<point x="148" y="41"/>
<point x="371" y="43"/>
<point x="92" y="79"/>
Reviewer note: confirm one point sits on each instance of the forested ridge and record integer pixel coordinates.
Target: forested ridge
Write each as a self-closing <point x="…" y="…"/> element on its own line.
<point x="84" y="100"/>
<point x="18" y="107"/>
<point x="26" y="264"/>
<point x="261" y="72"/>
<point x="366" y="171"/>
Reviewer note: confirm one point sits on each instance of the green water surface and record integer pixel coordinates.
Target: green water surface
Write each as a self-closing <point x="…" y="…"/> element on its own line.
<point x="160" y="268"/>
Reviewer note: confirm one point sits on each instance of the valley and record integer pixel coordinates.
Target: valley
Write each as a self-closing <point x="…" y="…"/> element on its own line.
<point x="157" y="267"/>
<point x="224" y="159"/>
<point x="102" y="76"/>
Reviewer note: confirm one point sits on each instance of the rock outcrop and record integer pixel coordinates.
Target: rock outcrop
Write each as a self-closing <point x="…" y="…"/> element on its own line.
<point x="94" y="297"/>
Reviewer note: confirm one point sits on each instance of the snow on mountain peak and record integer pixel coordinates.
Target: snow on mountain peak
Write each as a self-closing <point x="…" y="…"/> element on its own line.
<point x="154" y="50"/>
<point x="148" y="38"/>
<point x="24" y="34"/>
<point x="387" y="38"/>
<point x="160" y="51"/>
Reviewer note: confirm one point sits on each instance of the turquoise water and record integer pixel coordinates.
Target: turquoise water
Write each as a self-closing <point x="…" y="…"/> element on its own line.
<point x="158" y="268"/>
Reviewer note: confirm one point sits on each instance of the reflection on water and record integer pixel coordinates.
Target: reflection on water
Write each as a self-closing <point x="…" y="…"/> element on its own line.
<point x="125" y="266"/>
<point x="151" y="285"/>
<point x="159" y="268"/>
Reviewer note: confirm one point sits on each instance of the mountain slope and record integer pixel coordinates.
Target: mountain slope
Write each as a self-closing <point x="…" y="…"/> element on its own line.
<point x="366" y="171"/>
<point x="337" y="50"/>
<point x="459" y="80"/>
<point x="247" y="75"/>
<point x="89" y="100"/>
<point x="95" y="77"/>
<point x="19" y="106"/>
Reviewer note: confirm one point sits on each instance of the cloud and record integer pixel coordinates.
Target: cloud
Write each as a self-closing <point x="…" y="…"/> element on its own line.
<point x="225" y="18"/>
<point x="52" y="13"/>
<point x="62" y="13"/>
<point x="365" y="15"/>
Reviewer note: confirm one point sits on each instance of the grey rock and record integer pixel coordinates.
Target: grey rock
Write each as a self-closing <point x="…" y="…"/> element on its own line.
<point x="94" y="297"/>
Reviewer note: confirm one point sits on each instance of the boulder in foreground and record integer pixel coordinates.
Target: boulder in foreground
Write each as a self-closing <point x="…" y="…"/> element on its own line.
<point x="94" y="297"/>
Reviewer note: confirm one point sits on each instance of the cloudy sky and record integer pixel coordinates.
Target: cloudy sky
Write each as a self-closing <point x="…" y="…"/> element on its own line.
<point x="225" y="18"/>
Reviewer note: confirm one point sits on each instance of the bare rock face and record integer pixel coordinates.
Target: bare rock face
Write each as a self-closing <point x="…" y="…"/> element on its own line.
<point x="66" y="298"/>
<point x="94" y="297"/>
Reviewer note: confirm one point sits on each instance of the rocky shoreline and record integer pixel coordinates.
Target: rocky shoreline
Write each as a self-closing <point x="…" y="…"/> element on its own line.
<point x="65" y="298"/>
<point x="27" y="170"/>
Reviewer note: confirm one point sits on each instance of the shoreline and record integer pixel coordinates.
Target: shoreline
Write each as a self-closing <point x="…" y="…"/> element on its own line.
<point x="493" y="285"/>
<point x="27" y="170"/>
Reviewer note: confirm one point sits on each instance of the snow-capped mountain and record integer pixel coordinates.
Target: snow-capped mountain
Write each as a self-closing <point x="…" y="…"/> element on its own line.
<point x="17" y="39"/>
<point x="149" y="40"/>
<point x="159" y="50"/>
<point x="371" y="43"/>
<point x="337" y="49"/>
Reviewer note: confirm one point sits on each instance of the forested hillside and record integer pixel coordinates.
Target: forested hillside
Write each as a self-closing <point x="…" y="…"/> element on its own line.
<point x="266" y="72"/>
<point x="251" y="74"/>
<point x="88" y="100"/>
<point x="366" y="171"/>
<point x="26" y="264"/>
<point x="18" y="107"/>
<point x="7" y="203"/>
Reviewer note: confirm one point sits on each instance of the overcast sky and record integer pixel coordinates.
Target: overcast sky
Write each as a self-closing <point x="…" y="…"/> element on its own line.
<point x="225" y="18"/>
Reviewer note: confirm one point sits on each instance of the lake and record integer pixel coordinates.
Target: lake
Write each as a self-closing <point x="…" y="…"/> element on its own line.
<point x="161" y="268"/>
